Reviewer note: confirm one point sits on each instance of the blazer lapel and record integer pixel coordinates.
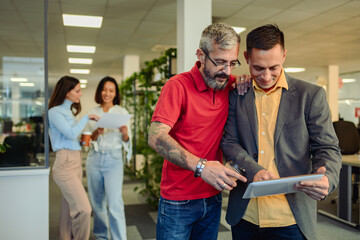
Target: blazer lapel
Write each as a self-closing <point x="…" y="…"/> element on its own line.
<point x="284" y="109"/>
<point x="251" y="113"/>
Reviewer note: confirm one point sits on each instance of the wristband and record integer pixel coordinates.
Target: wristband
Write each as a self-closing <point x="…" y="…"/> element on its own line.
<point x="200" y="167"/>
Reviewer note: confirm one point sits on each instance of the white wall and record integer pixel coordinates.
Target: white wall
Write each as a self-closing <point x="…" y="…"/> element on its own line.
<point x="24" y="208"/>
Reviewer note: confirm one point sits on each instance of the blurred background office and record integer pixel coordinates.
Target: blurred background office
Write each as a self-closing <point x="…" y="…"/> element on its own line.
<point x="42" y="40"/>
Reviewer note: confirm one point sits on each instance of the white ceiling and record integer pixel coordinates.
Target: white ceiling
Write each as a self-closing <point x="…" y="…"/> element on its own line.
<point x="318" y="33"/>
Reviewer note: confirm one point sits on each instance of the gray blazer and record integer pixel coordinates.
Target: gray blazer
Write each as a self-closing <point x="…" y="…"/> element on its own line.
<point x="304" y="140"/>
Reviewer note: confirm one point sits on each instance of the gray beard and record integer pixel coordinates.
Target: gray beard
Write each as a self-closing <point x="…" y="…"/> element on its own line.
<point x="211" y="82"/>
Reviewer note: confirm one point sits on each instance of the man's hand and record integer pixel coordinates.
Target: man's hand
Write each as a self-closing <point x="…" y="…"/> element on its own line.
<point x="219" y="176"/>
<point x="315" y="189"/>
<point x="243" y="83"/>
<point x="263" y="175"/>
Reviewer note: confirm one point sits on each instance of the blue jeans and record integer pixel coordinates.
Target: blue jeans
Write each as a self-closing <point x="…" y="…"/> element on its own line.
<point x="189" y="219"/>
<point x="105" y="175"/>
<point x="245" y="230"/>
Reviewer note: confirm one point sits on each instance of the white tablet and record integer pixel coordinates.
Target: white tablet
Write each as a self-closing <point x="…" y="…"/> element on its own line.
<point x="277" y="186"/>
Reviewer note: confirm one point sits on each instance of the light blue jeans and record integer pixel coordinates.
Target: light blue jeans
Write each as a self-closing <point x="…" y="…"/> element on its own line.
<point x="105" y="173"/>
<point x="189" y="219"/>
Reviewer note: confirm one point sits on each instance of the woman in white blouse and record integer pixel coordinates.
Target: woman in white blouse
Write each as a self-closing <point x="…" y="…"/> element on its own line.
<point x="104" y="166"/>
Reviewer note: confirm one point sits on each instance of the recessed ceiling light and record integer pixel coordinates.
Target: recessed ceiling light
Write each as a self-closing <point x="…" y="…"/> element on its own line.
<point x="81" y="60"/>
<point x="80" y="49"/>
<point x="294" y="70"/>
<point x="83" y="81"/>
<point x="83" y="85"/>
<point x="348" y="80"/>
<point x="15" y="79"/>
<point x="80" y="71"/>
<point x="26" y="84"/>
<point x="82" y="21"/>
<point x="239" y="30"/>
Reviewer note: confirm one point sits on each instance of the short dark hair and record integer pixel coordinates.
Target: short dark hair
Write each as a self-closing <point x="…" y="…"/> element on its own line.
<point x="100" y="87"/>
<point x="62" y="87"/>
<point x="265" y="38"/>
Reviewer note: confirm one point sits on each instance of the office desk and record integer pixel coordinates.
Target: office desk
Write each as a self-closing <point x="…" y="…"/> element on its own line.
<point x="344" y="195"/>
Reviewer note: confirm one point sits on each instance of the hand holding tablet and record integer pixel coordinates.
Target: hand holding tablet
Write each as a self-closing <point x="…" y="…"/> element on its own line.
<point x="277" y="186"/>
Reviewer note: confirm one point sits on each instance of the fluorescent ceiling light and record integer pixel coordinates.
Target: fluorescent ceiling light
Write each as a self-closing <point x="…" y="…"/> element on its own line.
<point x="83" y="85"/>
<point x="348" y="80"/>
<point x="239" y="30"/>
<point x="80" y="71"/>
<point x="294" y="70"/>
<point x="81" y="60"/>
<point x="27" y="84"/>
<point x="80" y="49"/>
<point x="15" y="79"/>
<point x="83" y="81"/>
<point x="82" y="21"/>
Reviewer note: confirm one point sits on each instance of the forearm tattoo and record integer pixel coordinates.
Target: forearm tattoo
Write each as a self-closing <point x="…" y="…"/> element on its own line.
<point x="167" y="147"/>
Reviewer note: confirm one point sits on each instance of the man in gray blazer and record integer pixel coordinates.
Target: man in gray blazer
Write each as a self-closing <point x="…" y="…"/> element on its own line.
<point x="281" y="127"/>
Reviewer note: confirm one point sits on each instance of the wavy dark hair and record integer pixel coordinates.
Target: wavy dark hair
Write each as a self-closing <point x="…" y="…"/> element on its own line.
<point x="62" y="87"/>
<point x="100" y="87"/>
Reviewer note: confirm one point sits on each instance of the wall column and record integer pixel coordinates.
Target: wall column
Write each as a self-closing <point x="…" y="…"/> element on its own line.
<point x="192" y="18"/>
<point x="333" y="91"/>
<point x="131" y="65"/>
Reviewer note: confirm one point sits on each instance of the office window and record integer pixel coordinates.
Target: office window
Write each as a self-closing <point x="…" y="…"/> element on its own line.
<point x="22" y="84"/>
<point x="349" y="98"/>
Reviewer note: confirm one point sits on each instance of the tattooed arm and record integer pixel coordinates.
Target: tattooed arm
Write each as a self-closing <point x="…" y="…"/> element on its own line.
<point x="167" y="147"/>
<point x="214" y="172"/>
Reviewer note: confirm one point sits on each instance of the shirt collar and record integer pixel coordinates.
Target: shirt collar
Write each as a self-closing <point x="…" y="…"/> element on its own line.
<point x="67" y="103"/>
<point x="198" y="78"/>
<point x="281" y="83"/>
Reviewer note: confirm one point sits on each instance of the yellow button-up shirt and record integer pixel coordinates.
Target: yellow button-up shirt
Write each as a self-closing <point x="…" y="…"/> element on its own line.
<point x="269" y="211"/>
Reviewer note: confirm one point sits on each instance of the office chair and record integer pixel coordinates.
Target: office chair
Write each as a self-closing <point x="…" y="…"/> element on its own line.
<point x="349" y="143"/>
<point x="348" y="136"/>
<point x="19" y="152"/>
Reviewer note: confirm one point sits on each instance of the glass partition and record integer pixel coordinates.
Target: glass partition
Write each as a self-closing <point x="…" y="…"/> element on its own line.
<point x="22" y="84"/>
<point x="349" y="97"/>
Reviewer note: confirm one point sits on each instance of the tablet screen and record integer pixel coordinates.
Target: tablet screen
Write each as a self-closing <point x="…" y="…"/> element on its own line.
<point x="277" y="186"/>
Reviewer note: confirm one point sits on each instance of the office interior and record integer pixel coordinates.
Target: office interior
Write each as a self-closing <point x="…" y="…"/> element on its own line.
<point x="322" y="38"/>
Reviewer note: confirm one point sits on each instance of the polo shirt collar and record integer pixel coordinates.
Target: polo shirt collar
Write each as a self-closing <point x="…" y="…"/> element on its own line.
<point x="198" y="78"/>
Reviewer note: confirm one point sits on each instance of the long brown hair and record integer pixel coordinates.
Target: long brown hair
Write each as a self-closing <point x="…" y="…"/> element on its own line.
<point x="100" y="87"/>
<point x="62" y="87"/>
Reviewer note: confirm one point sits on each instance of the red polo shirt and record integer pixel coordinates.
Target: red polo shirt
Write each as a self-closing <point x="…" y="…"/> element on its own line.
<point x="197" y="116"/>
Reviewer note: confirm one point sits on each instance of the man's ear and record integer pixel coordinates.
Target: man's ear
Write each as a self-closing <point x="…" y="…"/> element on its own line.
<point x="200" y="55"/>
<point x="284" y="55"/>
<point x="246" y="56"/>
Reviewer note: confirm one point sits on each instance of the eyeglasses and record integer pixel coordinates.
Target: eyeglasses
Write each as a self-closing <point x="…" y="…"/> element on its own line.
<point x="223" y="65"/>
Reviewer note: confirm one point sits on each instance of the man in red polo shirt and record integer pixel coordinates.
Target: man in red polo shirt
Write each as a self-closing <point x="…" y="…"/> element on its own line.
<point x="186" y="129"/>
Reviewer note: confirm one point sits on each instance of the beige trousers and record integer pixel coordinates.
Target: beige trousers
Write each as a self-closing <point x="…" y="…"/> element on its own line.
<point x="75" y="212"/>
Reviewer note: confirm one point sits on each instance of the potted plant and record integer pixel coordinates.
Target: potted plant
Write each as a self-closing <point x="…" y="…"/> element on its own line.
<point x="141" y="101"/>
